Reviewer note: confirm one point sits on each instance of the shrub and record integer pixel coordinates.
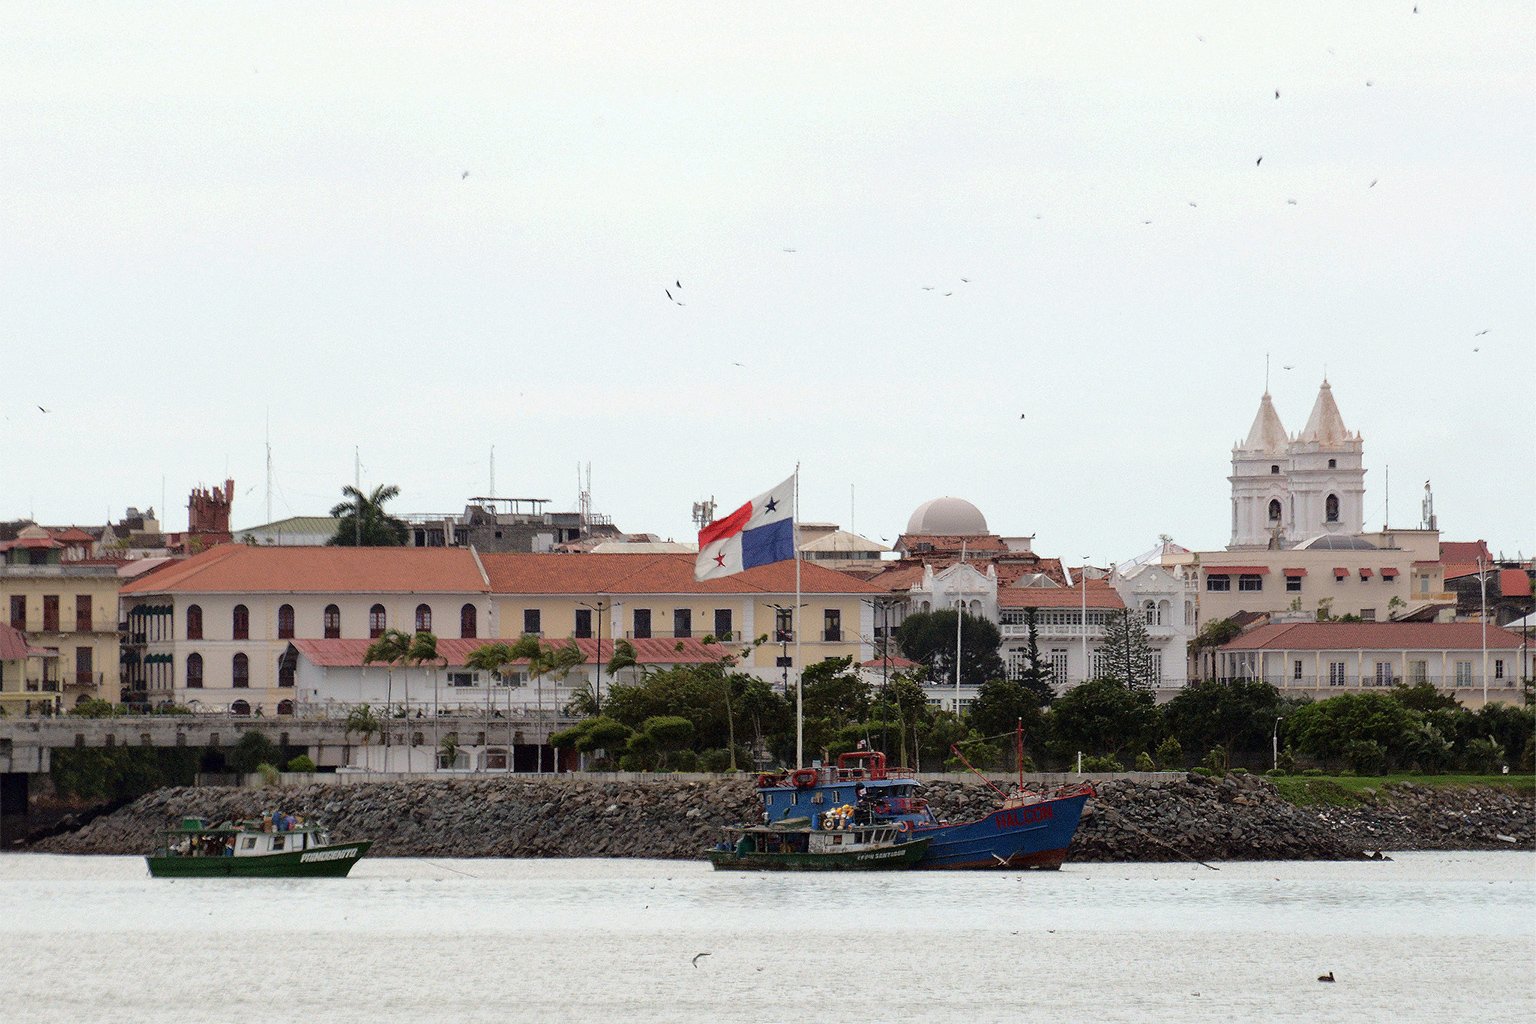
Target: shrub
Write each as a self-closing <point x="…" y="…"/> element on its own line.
<point x="1169" y="754"/>
<point x="1106" y="763"/>
<point x="685" y="761"/>
<point x="302" y="763"/>
<point x="1202" y="771"/>
<point x="1274" y="773"/>
<point x="1366" y="757"/>
<point x="252" y="751"/>
<point x="1216" y="760"/>
<point x="268" y="774"/>
<point x="1238" y="771"/>
<point x="1484" y="755"/>
<point x="1144" y="762"/>
<point x="717" y="760"/>
<point x="1314" y="772"/>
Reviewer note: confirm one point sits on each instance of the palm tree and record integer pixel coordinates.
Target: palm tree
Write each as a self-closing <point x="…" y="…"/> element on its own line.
<point x="423" y="649"/>
<point x="491" y="658"/>
<point x="364" y="523"/>
<point x="624" y="656"/>
<point x="391" y="648"/>
<point x="542" y="659"/>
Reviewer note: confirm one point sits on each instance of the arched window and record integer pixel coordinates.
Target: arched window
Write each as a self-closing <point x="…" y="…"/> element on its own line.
<point x="1189" y="613"/>
<point x="1151" y="609"/>
<point x="240" y="672"/>
<point x="1164" y="610"/>
<point x="332" y="622"/>
<point x="285" y="707"/>
<point x="287" y="665"/>
<point x="241" y="622"/>
<point x="194" y="671"/>
<point x="468" y="620"/>
<point x="1274" y="510"/>
<point x="285" y="622"/>
<point x="239" y="707"/>
<point x="376" y="622"/>
<point x="423" y="618"/>
<point x="1332" y="508"/>
<point x="194" y="622"/>
<point x="1333" y="463"/>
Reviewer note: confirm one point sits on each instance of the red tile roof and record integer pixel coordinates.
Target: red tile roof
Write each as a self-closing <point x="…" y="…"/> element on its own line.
<point x="513" y="573"/>
<point x="1100" y="595"/>
<point x="890" y="661"/>
<point x="349" y="653"/>
<point x="14" y="646"/>
<point x="1372" y="636"/>
<point x="1514" y="583"/>
<point x="244" y="568"/>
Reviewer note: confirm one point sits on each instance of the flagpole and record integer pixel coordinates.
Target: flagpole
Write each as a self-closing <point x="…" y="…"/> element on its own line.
<point x="795" y="624"/>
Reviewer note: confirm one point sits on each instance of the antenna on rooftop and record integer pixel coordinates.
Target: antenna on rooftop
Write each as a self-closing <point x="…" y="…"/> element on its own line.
<point x="704" y="512"/>
<point x="269" y="465"/>
<point x="584" y="494"/>
<point x="492" y="492"/>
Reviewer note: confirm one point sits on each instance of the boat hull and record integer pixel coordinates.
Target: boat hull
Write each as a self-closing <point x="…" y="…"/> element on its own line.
<point x="890" y="858"/>
<point x="321" y="862"/>
<point x="1034" y="836"/>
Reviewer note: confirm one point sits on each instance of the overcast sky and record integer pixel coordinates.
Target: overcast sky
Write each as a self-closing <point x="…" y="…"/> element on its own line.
<point x="217" y="214"/>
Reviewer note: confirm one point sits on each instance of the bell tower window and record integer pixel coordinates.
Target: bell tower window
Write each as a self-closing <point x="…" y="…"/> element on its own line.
<point x="1274" y="510"/>
<point x="1274" y="470"/>
<point x="1333" y="463"/>
<point x="1332" y="508"/>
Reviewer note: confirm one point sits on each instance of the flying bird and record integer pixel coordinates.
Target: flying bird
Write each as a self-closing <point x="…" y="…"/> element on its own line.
<point x="1325" y="977"/>
<point x="1192" y="204"/>
<point x="789" y="250"/>
<point x="1373" y="183"/>
<point x="965" y="280"/>
<point x="1479" y="334"/>
<point x="41" y="409"/>
<point x="1258" y="161"/>
<point x="669" y="293"/>
<point x="1277" y="94"/>
<point x="678" y="283"/>
<point x="1288" y="367"/>
<point x="1369" y="83"/>
<point x="1146" y="222"/>
<point x="948" y="293"/>
<point x="696" y="960"/>
<point x="927" y="287"/>
<point x="1021" y="415"/>
<point x="1290" y="202"/>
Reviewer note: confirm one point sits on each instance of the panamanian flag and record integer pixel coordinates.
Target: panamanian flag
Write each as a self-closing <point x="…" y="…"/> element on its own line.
<point x="761" y="531"/>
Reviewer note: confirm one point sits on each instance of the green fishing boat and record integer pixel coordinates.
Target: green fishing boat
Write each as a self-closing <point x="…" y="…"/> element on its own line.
<point x="789" y="846"/>
<point x="277" y="846"/>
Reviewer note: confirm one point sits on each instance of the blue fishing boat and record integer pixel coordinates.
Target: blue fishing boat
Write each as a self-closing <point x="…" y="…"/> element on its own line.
<point x="1027" y="830"/>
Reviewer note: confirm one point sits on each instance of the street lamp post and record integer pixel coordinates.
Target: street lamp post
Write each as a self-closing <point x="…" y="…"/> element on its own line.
<point x="1083" y="572"/>
<point x="1482" y="579"/>
<point x="959" y="618"/>
<point x="1274" y="743"/>
<point x="784" y="636"/>
<point x="599" y="609"/>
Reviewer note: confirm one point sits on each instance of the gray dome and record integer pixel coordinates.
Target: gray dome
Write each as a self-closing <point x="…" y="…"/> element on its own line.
<point x="1336" y="542"/>
<point x="948" y="517"/>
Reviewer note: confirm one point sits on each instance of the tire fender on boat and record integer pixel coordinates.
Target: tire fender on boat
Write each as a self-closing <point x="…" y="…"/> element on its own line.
<point x="904" y="826"/>
<point x="803" y="778"/>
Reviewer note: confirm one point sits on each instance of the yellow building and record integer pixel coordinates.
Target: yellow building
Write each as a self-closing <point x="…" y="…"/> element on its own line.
<point x="51" y="591"/>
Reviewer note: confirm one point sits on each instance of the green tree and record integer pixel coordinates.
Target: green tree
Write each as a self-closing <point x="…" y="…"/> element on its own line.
<point x="1211" y="636"/>
<point x="929" y="638"/>
<point x="1038" y="675"/>
<point x="1238" y="715"/>
<point x="830" y="689"/>
<point x="362" y="721"/>
<point x="624" y="657"/>
<point x="392" y="647"/>
<point x="1170" y="754"/>
<point x="902" y="707"/>
<point x="1000" y="706"/>
<point x="663" y="735"/>
<point x="363" y="521"/>
<point x="251" y="750"/>
<point x="1324" y="730"/>
<point x="1103" y="716"/>
<point x="1128" y="650"/>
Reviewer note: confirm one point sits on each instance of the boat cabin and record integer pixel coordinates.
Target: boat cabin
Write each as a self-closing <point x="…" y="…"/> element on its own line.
<point x="860" y="779"/>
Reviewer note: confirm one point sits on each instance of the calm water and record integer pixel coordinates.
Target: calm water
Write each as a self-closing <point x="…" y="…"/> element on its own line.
<point x="1427" y="937"/>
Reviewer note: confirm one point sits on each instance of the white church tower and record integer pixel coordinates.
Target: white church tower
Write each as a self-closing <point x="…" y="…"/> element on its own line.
<point x="1327" y="474"/>
<point x="1261" y="505"/>
<point x="1288" y="489"/>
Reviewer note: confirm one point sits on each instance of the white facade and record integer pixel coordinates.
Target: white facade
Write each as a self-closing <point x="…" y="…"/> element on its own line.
<point x="1286" y="489"/>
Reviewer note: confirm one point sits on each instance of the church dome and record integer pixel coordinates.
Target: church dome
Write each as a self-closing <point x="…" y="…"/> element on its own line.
<point x="948" y="517"/>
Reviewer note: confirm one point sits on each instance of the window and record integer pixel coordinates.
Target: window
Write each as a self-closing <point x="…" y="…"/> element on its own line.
<point x="19" y="611"/>
<point x="423" y="618"/>
<point x="376" y="622"/>
<point x="249" y="843"/>
<point x="1331" y="507"/>
<point x="1189" y="613"/>
<point x="277" y="842"/>
<point x="461" y="679"/>
<point x="642" y="623"/>
<point x="1293" y="584"/>
<point x="50" y="613"/>
<point x="1058" y="665"/>
<point x="531" y="621"/>
<point x="468" y="622"/>
<point x="1367" y="614"/>
<point x="1296" y="669"/>
<point x="240" y="707"/>
<point x="682" y="622"/>
<point x="1463" y="673"/>
<point x="285" y="707"/>
<point x="240" y="672"/>
<point x="784" y="624"/>
<point x="195" y="671"/>
<point x="240" y="622"/>
<point x="332" y="622"/>
<point x="84" y="672"/>
<point x="1333" y="463"/>
<point x="1151" y="612"/>
<point x="285" y="622"/>
<point x="82" y="613"/>
<point x="1336" y="676"/>
<point x="1383" y="673"/>
<point x="1498" y="668"/>
<point x="832" y="625"/>
<point x="722" y="624"/>
<point x="285" y="672"/>
<point x="1274" y="471"/>
<point x="1418" y="672"/>
<point x="583" y="623"/>
<point x="1250" y="582"/>
<point x="1218" y="584"/>
<point x="194" y="622"/>
<point x="1274" y="510"/>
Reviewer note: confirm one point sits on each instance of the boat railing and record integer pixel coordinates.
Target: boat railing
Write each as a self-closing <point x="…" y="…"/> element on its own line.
<point x="860" y="774"/>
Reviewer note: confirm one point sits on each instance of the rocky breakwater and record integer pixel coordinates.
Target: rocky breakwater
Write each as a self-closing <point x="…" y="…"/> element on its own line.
<point x="1191" y="817"/>
<point x="1406" y="816"/>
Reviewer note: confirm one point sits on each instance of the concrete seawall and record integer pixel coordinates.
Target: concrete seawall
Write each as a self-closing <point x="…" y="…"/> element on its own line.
<point x="1162" y="817"/>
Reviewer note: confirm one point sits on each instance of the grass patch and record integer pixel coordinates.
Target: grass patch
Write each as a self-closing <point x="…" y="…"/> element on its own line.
<point x="1349" y="790"/>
